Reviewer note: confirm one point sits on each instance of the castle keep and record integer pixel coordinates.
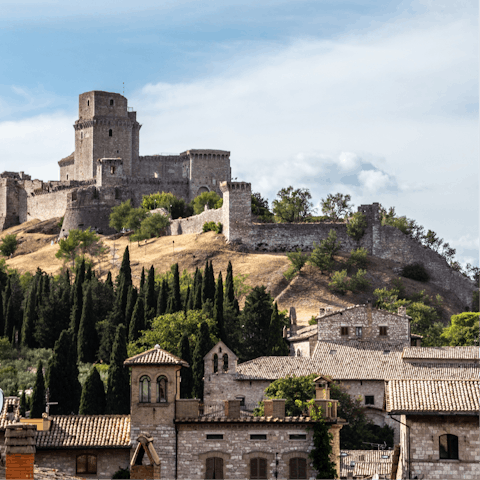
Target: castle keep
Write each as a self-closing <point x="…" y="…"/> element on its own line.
<point x="106" y="169"/>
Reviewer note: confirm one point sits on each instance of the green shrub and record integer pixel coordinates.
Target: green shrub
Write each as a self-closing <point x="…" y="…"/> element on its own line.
<point x="298" y="260"/>
<point x="313" y="320"/>
<point x="358" y="258"/>
<point x="212" y="199"/>
<point x="339" y="282"/>
<point x="357" y="225"/>
<point x="9" y="245"/>
<point x="358" y="281"/>
<point x="415" y="271"/>
<point x="122" y="473"/>
<point x="212" y="227"/>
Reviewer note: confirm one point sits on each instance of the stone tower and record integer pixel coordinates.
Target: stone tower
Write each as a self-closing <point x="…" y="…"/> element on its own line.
<point x="105" y="129"/>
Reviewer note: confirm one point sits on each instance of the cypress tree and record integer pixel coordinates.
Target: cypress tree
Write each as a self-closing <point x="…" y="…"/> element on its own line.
<point x="9" y="331"/>
<point x="80" y="276"/>
<point x="142" y="280"/>
<point x="92" y="401"/>
<point x="106" y="332"/>
<point x="108" y="281"/>
<point x="188" y="301"/>
<point x="46" y="329"/>
<point x="229" y="285"/>
<point x="23" y="402"/>
<point x="162" y="298"/>
<point x="118" y="386"/>
<point x="150" y="300"/>
<point x="218" y="310"/>
<point x="38" y="394"/>
<point x="276" y="345"/>
<point x="6" y="297"/>
<point x="138" y="320"/>
<point x="202" y="347"/>
<point x="208" y="287"/>
<point x="87" y="339"/>
<point x="131" y="301"/>
<point x="88" y="274"/>
<point x="175" y="301"/>
<point x="77" y="306"/>
<point x="2" y="316"/>
<point x="197" y="302"/>
<point x="62" y="376"/>
<point x="63" y="310"/>
<point x="125" y="270"/>
<point x="186" y="384"/>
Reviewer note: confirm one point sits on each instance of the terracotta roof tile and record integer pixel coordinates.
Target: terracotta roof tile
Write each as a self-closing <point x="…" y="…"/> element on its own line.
<point x="449" y="353"/>
<point x="432" y="395"/>
<point x="367" y="463"/>
<point x="155" y="356"/>
<point x="9" y="418"/>
<point x="82" y="431"/>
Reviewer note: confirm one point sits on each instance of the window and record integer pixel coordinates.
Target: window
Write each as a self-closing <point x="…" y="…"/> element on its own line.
<point x="386" y="352"/>
<point x="299" y="353"/>
<point x="448" y="446"/>
<point x="214" y="467"/>
<point x="297" y="468"/>
<point x="111" y="102"/>
<point x="383" y="331"/>
<point x="298" y="436"/>
<point x="343" y="330"/>
<point x="162" y="389"/>
<point x="88" y="103"/>
<point x="144" y="389"/>
<point x="81" y="135"/>
<point x="225" y="362"/>
<point x="258" y="436"/>
<point x="358" y="332"/>
<point x="214" y="436"/>
<point x="112" y="170"/>
<point x="110" y="133"/>
<point x="67" y="176"/>
<point x="258" y="468"/>
<point x="87" y="464"/>
<point x="369" y="400"/>
<point x="242" y="401"/>
<point x="215" y="363"/>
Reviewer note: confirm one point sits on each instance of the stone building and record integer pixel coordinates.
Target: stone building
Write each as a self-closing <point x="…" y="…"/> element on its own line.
<point x="439" y="427"/>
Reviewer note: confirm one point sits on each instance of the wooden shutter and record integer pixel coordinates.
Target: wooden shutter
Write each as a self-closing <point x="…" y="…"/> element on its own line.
<point x="302" y="468"/>
<point x="82" y="464"/>
<point x="254" y="468"/>
<point x="91" y="464"/>
<point x="210" y="468"/>
<point x="293" y="468"/>
<point x="218" y="468"/>
<point x="262" y="468"/>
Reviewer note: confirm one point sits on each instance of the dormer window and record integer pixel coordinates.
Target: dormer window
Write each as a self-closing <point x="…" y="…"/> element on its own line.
<point x="111" y="102"/>
<point x="144" y="389"/>
<point x="162" y="389"/>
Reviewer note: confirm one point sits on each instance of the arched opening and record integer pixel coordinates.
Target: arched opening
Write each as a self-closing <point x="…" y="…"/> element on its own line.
<point x="214" y="467"/>
<point x="225" y="362"/>
<point x="87" y="464"/>
<point x="258" y="468"/>
<point x="215" y="363"/>
<point x="144" y="389"/>
<point x="299" y="353"/>
<point x="202" y="190"/>
<point x="162" y="389"/>
<point x="448" y="446"/>
<point x="297" y="468"/>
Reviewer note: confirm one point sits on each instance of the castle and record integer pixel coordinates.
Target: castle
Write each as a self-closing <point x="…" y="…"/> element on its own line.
<point x="106" y="169"/>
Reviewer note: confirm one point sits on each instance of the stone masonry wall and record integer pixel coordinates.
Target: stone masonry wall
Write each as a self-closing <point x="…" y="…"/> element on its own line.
<point x="48" y="205"/>
<point x="424" y="447"/>
<point x="65" y="461"/>
<point x="195" y="223"/>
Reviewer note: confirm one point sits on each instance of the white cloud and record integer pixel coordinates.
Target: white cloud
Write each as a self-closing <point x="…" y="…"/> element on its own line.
<point x="374" y="180"/>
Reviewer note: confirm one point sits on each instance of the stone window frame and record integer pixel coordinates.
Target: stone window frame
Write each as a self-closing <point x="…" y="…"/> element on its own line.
<point x="371" y="399"/>
<point x="359" y="332"/>
<point x="225" y="363"/>
<point x="269" y="457"/>
<point x="211" y="453"/>
<point x="296" y="453"/>
<point x="86" y="455"/>
<point x="344" y="331"/>
<point x="157" y="392"/>
<point x="141" y="393"/>
<point x="452" y="436"/>
<point x="215" y="363"/>
<point x="383" y="331"/>
<point x="296" y="434"/>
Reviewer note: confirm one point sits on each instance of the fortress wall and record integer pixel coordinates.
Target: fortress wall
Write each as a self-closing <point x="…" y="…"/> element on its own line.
<point x="195" y="224"/>
<point x="47" y="205"/>
<point x="390" y="243"/>
<point x="160" y="166"/>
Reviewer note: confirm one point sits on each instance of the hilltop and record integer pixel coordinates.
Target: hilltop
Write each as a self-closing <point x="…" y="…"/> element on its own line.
<point x="307" y="292"/>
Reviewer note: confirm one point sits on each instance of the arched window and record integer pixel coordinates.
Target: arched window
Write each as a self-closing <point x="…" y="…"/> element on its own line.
<point x="110" y="133"/>
<point x="162" y="389"/>
<point x="214" y="467"/>
<point x="215" y="363"/>
<point x="297" y="468"/>
<point x="258" y="468"/>
<point x="225" y="362"/>
<point x="299" y="353"/>
<point x="87" y="464"/>
<point x="448" y="446"/>
<point x="145" y="389"/>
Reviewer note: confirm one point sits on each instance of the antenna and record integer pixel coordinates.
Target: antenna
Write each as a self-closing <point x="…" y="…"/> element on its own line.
<point x="123" y="88"/>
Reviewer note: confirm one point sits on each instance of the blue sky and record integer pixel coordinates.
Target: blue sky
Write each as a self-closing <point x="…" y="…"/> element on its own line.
<point x="375" y="99"/>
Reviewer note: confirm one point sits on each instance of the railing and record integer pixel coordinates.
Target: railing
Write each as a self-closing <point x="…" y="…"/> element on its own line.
<point x="218" y="410"/>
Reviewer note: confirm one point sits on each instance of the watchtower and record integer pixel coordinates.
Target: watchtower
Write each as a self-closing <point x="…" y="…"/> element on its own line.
<point x="105" y="129"/>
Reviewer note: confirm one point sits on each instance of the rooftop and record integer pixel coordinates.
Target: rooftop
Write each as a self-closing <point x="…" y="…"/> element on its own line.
<point x="155" y="356"/>
<point x="449" y="353"/>
<point x="367" y="463"/>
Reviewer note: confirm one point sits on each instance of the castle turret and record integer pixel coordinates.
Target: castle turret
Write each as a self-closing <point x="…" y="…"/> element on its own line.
<point x="105" y="129"/>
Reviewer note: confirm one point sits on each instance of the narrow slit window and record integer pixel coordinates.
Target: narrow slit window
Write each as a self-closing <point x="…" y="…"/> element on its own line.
<point x="215" y="363"/>
<point x="358" y="332"/>
<point x="225" y="362"/>
<point x="110" y="133"/>
<point x="111" y="102"/>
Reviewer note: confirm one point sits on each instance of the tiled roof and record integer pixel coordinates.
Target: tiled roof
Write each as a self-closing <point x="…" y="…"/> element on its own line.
<point x="82" y="431"/>
<point x="155" y="356"/>
<point x="9" y="418"/>
<point x="432" y="396"/>
<point x="449" y="353"/>
<point x="304" y="333"/>
<point x="355" y="361"/>
<point x="68" y="159"/>
<point x="246" y="419"/>
<point x="367" y="463"/>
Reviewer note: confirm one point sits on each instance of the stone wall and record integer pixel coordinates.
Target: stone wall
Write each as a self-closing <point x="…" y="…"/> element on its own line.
<point x="108" y="460"/>
<point x="421" y="442"/>
<point x="195" y="223"/>
<point x="47" y="205"/>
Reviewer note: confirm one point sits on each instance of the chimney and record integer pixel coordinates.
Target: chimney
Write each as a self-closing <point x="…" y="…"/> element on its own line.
<point x="20" y="451"/>
<point x="402" y="310"/>
<point x="232" y="408"/>
<point x="275" y="408"/>
<point x="293" y="321"/>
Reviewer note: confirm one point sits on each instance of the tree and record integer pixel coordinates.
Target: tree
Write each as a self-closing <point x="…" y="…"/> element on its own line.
<point x="118" y="385"/>
<point x="138" y="320"/>
<point x="62" y="376"/>
<point x="336" y="206"/>
<point x="208" y="286"/>
<point x="79" y="242"/>
<point x="357" y="225"/>
<point x="186" y="373"/>
<point x="297" y="259"/>
<point x="202" y="347"/>
<point x="9" y="320"/>
<point x="38" y="394"/>
<point x="229" y="288"/>
<point x="256" y="318"/>
<point x="92" y="401"/>
<point x="463" y="330"/>
<point x="168" y="201"/>
<point x="293" y="205"/>
<point x="218" y="310"/>
<point x="150" y="300"/>
<point x="320" y="259"/>
<point x="23" y="402"/>
<point x="77" y="308"/>
<point x="87" y="343"/>
<point x="125" y="216"/>
<point x="9" y="245"/>
<point x="174" y="300"/>
<point x="212" y="199"/>
<point x="260" y="208"/>
<point x="162" y="300"/>
<point x="276" y="345"/>
<point x="153" y="225"/>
